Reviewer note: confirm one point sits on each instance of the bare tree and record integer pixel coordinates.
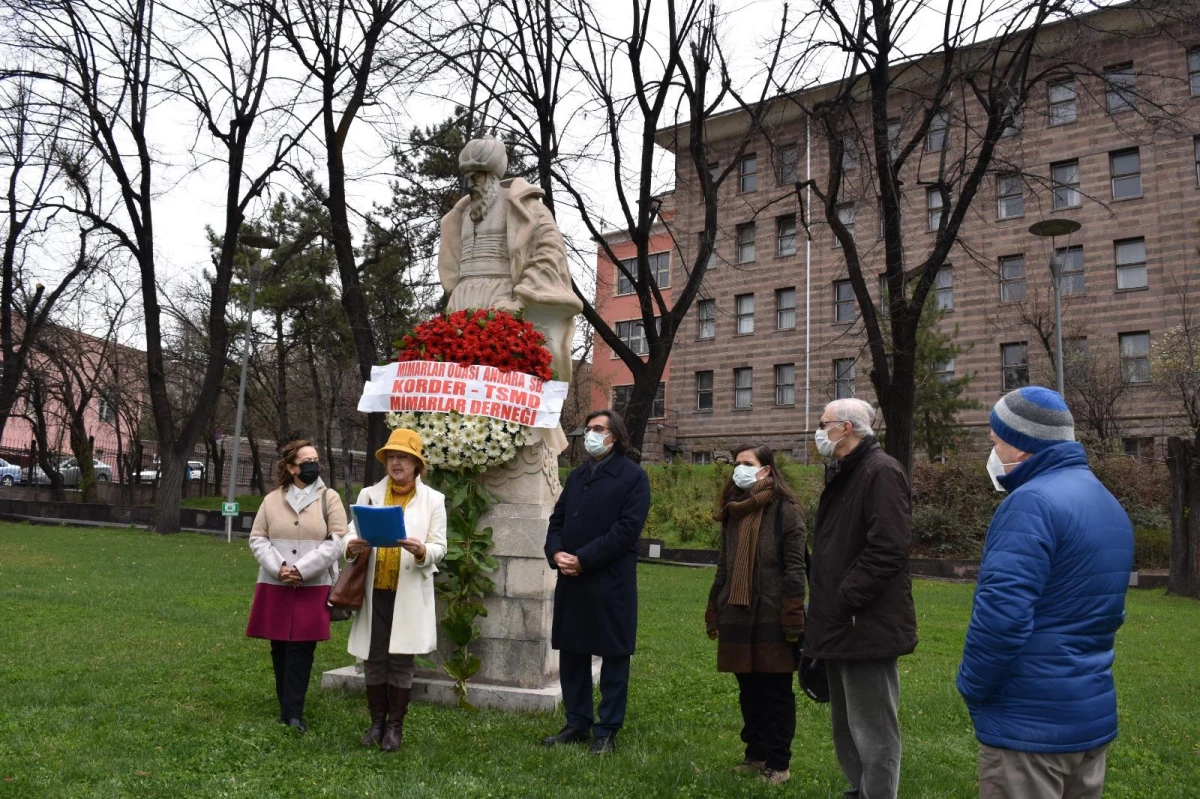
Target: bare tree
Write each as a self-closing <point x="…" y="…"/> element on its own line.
<point x="940" y="119"/>
<point x="33" y="156"/>
<point x="550" y="66"/>
<point x="1175" y="358"/>
<point x="347" y="50"/>
<point x="115" y="63"/>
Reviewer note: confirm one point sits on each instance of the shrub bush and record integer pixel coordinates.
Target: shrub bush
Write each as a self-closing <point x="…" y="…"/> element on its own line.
<point x="953" y="504"/>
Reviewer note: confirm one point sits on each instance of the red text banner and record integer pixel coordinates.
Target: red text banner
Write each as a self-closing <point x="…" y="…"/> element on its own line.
<point x="437" y="387"/>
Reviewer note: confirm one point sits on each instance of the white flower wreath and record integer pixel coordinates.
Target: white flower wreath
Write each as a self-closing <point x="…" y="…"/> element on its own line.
<point x="461" y="443"/>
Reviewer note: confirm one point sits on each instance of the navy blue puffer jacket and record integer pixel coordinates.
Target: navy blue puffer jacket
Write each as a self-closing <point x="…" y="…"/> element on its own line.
<point x="1036" y="672"/>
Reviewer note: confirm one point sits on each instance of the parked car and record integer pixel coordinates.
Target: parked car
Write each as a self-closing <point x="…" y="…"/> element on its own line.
<point x="69" y="469"/>
<point x="10" y="474"/>
<point x="195" y="472"/>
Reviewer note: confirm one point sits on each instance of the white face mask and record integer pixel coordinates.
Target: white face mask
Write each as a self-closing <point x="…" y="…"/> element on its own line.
<point x="593" y="442"/>
<point x="745" y="476"/>
<point x="824" y="445"/>
<point x="996" y="469"/>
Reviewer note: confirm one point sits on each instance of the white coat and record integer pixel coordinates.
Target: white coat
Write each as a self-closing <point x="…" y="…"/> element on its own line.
<point x="414" y="624"/>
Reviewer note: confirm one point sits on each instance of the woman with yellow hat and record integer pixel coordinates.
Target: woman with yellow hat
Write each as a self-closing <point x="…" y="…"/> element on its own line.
<point x="397" y="620"/>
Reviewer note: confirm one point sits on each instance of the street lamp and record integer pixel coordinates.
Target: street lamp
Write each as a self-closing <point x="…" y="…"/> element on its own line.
<point x="262" y="243"/>
<point x="1049" y="228"/>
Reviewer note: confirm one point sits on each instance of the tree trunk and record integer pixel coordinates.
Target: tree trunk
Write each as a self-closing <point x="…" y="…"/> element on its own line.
<point x="1185" y="517"/>
<point x="218" y="462"/>
<point x="81" y="448"/>
<point x="256" y="477"/>
<point x="172" y="472"/>
<point x="281" y="387"/>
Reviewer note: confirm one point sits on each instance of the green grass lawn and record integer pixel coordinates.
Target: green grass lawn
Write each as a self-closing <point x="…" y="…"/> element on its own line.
<point x="124" y="672"/>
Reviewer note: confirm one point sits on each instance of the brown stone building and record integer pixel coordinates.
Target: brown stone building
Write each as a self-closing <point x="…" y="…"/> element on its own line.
<point x="775" y="334"/>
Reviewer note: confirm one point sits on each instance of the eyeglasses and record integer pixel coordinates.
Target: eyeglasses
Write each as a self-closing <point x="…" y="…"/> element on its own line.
<point x="824" y="425"/>
<point x="597" y="429"/>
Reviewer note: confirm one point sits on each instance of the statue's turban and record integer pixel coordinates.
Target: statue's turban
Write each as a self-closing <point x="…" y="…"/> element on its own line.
<point x="484" y="155"/>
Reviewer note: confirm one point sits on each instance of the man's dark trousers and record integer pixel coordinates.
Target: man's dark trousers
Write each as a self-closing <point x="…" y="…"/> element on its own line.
<point x="575" y="675"/>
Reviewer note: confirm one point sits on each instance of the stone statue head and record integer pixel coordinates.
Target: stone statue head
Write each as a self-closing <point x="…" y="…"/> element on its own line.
<point x="484" y="155"/>
<point x="484" y="162"/>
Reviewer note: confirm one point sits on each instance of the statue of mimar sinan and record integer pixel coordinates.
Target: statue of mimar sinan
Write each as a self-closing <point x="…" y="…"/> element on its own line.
<point x="502" y="249"/>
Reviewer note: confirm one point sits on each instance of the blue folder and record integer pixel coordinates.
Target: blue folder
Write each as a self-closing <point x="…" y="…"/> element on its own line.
<point x="380" y="526"/>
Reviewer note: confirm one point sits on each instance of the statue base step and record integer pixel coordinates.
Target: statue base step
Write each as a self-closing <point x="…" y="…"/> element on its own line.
<point x="440" y="691"/>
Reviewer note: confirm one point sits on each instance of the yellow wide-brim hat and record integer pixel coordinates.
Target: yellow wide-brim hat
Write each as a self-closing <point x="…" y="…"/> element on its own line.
<point x="401" y="440"/>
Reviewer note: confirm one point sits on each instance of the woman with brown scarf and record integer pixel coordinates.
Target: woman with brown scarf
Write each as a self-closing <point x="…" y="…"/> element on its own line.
<point x="756" y="606"/>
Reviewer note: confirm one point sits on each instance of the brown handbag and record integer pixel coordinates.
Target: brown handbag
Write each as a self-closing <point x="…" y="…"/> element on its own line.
<point x="351" y="588"/>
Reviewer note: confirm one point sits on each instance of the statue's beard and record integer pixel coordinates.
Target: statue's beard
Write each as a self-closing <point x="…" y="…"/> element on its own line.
<point x="483" y="197"/>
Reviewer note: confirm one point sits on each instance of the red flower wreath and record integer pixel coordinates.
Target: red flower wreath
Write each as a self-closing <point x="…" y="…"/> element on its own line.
<point x="480" y="336"/>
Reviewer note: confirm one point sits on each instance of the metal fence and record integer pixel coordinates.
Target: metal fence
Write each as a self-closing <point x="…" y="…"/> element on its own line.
<point x="140" y="466"/>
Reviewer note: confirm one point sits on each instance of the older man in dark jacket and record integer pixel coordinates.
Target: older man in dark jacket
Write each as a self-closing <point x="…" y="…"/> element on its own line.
<point x="861" y="617"/>
<point x="592" y="542"/>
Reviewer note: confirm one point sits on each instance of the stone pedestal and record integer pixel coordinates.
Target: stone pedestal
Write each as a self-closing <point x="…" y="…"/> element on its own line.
<point x="520" y="670"/>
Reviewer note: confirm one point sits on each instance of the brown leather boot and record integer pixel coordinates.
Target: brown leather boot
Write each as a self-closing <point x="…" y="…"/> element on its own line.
<point x="377" y="705"/>
<point x="393" y="733"/>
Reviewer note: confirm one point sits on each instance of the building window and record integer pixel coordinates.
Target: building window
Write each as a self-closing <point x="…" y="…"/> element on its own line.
<point x="706" y="311"/>
<point x="107" y="410"/>
<point x="1014" y="364"/>
<point x="848" y="161"/>
<point x="785" y="235"/>
<point x="1016" y="119"/>
<point x="785" y="384"/>
<point x="1196" y="148"/>
<point x="845" y="215"/>
<point x="1194" y="71"/>
<point x="789" y="164"/>
<point x="701" y="458"/>
<point x="620" y="398"/>
<point x="1135" y="356"/>
<point x="1064" y="179"/>
<point x="1126" y="170"/>
<point x="745" y="243"/>
<point x="943" y="291"/>
<point x="885" y="307"/>
<point x="843" y="378"/>
<point x="658" y="407"/>
<point x="844" y="309"/>
<point x="1071" y="275"/>
<point x="1118" y="82"/>
<point x="660" y="270"/>
<point x="785" y="309"/>
<point x="712" y="256"/>
<point x="939" y="127"/>
<point x="893" y="134"/>
<point x="748" y="174"/>
<point x="745" y="313"/>
<point x="633" y="335"/>
<point x="933" y="202"/>
<point x="1141" y="447"/>
<point x="743" y="387"/>
<point x="944" y="371"/>
<point x="1010" y="196"/>
<point x="1062" y="101"/>
<point x="704" y="391"/>
<point x="1130" y="256"/>
<point x="1012" y="278"/>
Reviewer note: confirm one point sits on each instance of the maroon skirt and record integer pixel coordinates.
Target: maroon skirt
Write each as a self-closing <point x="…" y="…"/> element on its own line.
<point x="287" y="613"/>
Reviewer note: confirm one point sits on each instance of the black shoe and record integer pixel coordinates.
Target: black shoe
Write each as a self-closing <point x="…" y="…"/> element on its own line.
<point x="297" y="725"/>
<point x="567" y="735"/>
<point x="605" y="744"/>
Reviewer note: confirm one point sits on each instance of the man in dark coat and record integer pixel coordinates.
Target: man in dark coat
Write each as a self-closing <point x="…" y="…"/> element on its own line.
<point x="861" y="615"/>
<point x="592" y="542"/>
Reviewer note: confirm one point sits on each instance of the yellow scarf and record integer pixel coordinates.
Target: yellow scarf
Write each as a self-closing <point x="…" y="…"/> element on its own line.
<point x="387" y="559"/>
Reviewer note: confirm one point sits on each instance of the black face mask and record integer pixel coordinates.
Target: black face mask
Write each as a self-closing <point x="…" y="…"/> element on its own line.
<point x="309" y="472"/>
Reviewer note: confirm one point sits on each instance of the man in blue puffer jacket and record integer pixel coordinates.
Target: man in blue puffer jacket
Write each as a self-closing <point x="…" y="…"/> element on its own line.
<point x="1036" y="672"/>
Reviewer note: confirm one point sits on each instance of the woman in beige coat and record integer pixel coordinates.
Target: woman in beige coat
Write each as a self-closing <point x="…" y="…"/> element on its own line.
<point x="296" y="539"/>
<point x="397" y="620"/>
